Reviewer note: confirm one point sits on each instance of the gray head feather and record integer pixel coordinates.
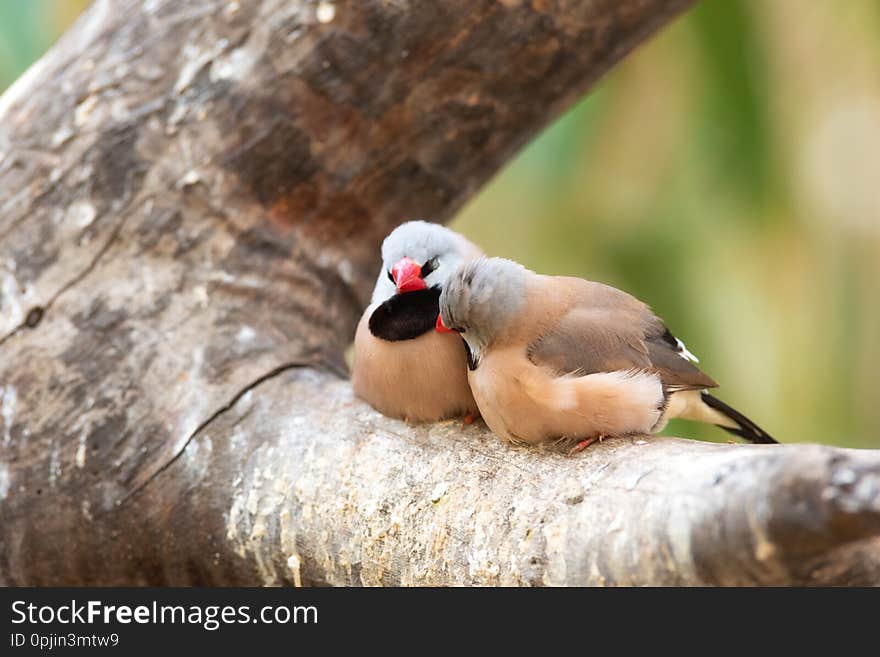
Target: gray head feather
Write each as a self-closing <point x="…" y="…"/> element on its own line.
<point x="422" y="241"/>
<point x="482" y="297"/>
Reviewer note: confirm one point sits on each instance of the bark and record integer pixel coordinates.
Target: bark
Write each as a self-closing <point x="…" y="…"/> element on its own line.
<point x="191" y="201"/>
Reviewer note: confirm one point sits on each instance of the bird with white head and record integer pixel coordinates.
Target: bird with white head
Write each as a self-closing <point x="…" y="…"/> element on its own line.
<point x="402" y="366"/>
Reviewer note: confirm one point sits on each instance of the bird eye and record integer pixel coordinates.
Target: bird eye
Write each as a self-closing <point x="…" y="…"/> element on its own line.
<point x="390" y="276"/>
<point x="429" y="266"/>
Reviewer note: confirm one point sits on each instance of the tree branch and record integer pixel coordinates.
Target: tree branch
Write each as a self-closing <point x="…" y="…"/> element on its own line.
<point x="340" y="495"/>
<point x="191" y="200"/>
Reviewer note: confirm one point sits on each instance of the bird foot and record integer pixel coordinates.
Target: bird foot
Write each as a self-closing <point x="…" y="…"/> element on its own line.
<point x="582" y="445"/>
<point x="469" y="419"/>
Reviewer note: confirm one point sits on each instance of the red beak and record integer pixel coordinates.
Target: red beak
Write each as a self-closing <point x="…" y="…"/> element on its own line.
<point x="441" y="327"/>
<point x="407" y="275"/>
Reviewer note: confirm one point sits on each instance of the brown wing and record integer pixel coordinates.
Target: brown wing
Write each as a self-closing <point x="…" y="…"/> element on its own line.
<point x="608" y="330"/>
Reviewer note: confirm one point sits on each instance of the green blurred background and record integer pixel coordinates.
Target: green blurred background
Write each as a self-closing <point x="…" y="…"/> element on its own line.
<point x="727" y="172"/>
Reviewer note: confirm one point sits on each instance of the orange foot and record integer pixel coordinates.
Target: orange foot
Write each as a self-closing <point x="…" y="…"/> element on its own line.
<point x="469" y="419"/>
<point x="581" y="446"/>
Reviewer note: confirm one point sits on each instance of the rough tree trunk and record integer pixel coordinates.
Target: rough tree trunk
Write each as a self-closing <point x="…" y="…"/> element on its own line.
<point x="191" y="200"/>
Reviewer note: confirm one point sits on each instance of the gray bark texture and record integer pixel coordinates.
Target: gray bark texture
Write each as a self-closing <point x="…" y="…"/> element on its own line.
<point x="192" y="196"/>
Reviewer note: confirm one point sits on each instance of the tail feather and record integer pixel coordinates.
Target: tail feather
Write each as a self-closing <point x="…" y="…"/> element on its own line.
<point x="745" y="429"/>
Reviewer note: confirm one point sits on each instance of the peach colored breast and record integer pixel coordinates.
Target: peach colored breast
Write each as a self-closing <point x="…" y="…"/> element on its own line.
<point x="420" y="380"/>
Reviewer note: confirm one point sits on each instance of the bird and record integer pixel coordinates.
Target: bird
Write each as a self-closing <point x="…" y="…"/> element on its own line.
<point x="557" y="358"/>
<point x="402" y="366"/>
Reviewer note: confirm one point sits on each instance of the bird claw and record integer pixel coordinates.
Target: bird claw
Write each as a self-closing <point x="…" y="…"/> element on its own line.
<point x="582" y="445"/>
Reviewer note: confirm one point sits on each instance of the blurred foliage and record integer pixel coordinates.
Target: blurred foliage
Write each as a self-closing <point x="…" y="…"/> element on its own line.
<point x="27" y="28"/>
<point x="727" y="172"/>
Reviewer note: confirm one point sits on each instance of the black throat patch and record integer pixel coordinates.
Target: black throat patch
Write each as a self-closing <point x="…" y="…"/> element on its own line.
<point x="472" y="361"/>
<point x="406" y="316"/>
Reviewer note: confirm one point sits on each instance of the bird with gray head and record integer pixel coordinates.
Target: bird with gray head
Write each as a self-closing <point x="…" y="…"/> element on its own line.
<point x="402" y="366"/>
<point x="555" y="357"/>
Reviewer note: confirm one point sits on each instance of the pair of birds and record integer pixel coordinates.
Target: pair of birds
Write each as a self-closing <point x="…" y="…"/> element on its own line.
<point x="450" y="333"/>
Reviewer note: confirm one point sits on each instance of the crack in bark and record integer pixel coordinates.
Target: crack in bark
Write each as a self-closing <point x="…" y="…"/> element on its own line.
<point x="21" y="218"/>
<point x="271" y="374"/>
<point x="78" y="278"/>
